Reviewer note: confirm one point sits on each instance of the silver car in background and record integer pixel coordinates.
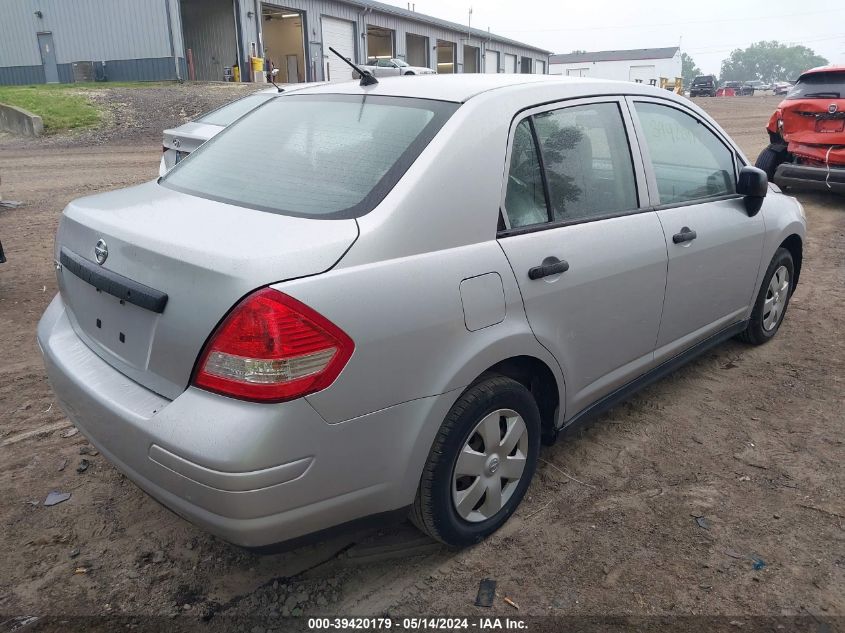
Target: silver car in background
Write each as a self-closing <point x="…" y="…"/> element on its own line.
<point x="381" y="67"/>
<point x="369" y="301"/>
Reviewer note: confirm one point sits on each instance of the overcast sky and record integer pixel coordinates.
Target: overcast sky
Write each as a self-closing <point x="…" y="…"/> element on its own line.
<point x="708" y="30"/>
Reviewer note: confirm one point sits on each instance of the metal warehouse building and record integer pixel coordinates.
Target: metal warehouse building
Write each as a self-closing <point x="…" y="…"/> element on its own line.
<point x="121" y="40"/>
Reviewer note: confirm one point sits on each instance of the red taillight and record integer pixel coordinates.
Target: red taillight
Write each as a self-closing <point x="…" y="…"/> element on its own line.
<point x="272" y="348"/>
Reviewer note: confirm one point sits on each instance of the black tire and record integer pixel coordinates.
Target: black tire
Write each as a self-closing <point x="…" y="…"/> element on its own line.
<point x="756" y="333"/>
<point x="769" y="159"/>
<point x="433" y="511"/>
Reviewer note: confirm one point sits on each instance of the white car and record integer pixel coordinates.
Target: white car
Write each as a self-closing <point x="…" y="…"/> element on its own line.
<point x="395" y="68"/>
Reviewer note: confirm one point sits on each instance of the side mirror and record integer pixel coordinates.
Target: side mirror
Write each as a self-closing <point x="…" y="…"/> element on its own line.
<point x="754" y="185"/>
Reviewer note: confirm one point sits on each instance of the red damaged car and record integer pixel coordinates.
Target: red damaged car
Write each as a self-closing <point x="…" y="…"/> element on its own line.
<point x="807" y="133"/>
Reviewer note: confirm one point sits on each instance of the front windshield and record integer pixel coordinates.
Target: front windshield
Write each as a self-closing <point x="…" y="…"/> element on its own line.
<point x="399" y="62"/>
<point x="819" y="86"/>
<point x="235" y="110"/>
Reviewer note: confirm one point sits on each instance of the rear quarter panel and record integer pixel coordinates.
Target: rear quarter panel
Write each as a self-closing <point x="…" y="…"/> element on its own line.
<point x="406" y="318"/>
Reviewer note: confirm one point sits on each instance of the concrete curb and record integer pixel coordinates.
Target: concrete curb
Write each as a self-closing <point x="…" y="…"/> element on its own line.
<point x="19" y="121"/>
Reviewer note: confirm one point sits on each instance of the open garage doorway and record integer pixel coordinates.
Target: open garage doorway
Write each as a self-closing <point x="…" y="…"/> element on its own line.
<point x="446" y="53"/>
<point x="526" y="66"/>
<point x="209" y="33"/>
<point x="379" y="43"/>
<point x="283" y="36"/>
<point x="416" y="50"/>
<point x="472" y="59"/>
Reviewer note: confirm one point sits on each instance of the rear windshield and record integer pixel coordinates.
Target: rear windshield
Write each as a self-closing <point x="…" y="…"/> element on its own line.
<point x="819" y="86"/>
<point x="235" y="110"/>
<point x="702" y="80"/>
<point x="315" y="156"/>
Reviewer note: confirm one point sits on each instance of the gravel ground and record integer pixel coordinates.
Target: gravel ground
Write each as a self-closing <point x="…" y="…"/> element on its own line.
<point x="138" y="115"/>
<point x="750" y="438"/>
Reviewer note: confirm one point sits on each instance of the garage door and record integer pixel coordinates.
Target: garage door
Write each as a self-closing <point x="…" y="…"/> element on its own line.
<point x="642" y="74"/>
<point x="339" y="35"/>
<point x="510" y="63"/>
<point x="491" y="62"/>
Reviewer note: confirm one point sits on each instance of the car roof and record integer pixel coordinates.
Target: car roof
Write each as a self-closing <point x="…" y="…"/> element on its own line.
<point x="823" y="69"/>
<point x="462" y="87"/>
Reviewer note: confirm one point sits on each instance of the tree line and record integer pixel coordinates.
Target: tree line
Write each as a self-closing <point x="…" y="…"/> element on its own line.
<point x="765" y="61"/>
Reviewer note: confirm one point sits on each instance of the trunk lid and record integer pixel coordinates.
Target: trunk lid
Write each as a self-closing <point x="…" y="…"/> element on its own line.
<point x="203" y="255"/>
<point x="186" y="138"/>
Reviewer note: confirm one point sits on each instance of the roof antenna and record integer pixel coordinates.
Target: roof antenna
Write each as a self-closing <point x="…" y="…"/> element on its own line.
<point x="367" y="78"/>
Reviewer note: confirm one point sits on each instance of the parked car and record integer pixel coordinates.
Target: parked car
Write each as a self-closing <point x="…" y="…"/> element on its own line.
<point x="314" y="320"/>
<point x="781" y="87"/>
<point x="380" y="67"/>
<point x="181" y="141"/>
<point x="703" y="86"/>
<point x="735" y="89"/>
<point x="755" y="86"/>
<point x="807" y="133"/>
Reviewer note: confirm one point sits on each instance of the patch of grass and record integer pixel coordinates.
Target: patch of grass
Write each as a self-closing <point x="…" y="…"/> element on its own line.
<point x="60" y="106"/>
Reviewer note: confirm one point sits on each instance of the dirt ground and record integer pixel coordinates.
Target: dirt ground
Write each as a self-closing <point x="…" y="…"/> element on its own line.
<point x="749" y="438"/>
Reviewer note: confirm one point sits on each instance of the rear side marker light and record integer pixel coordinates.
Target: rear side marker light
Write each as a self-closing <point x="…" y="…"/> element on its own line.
<point x="272" y="348"/>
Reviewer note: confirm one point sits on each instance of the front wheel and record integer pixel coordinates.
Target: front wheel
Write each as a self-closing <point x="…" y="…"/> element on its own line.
<point x="772" y="300"/>
<point x="480" y="464"/>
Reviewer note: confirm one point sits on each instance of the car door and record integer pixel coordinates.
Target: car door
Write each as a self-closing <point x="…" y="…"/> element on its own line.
<point x="714" y="247"/>
<point x="386" y="68"/>
<point x="587" y="252"/>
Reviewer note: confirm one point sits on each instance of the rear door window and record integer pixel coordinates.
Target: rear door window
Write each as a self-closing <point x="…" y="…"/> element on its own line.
<point x="315" y="156"/>
<point x="525" y="201"/>
<point x="690" y="162"/>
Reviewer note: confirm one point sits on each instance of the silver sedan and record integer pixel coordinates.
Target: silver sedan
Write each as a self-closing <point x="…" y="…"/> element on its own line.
<point x="378" y="301"/>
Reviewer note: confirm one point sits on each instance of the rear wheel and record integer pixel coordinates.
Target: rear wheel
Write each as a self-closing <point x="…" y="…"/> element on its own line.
<point x="769" y="159"/>
<point x="772" y="300"/>
<point x="481" y="463"/>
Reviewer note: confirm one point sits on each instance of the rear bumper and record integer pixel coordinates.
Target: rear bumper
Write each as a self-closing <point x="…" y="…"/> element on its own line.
<point x="252" y="474"/>
<point x="804" y="176"/>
